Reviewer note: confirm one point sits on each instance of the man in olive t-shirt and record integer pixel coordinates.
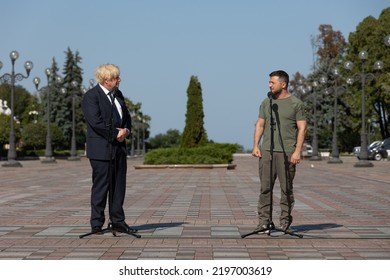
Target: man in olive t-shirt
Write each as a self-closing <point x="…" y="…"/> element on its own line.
<point x="289" y="129"/>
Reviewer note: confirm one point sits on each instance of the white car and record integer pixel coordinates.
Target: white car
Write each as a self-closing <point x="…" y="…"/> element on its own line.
<point x="307" y="150"/>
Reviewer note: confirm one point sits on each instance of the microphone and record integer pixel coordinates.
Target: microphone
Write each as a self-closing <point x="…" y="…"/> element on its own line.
<point x="269" y="94"/>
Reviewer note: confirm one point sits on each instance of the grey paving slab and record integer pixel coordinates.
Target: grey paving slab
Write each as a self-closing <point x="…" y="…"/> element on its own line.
<point x="343" y="212"/>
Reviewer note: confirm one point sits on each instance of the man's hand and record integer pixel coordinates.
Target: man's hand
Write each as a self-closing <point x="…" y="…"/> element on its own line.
<point x="121" y="134"/>
<point x="295" y="158"/>
<point x="256" y="152"/>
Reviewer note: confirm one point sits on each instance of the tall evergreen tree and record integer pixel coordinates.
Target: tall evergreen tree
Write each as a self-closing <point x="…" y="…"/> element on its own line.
<point x="54" y="86"/>
<point x="72" y="85"/>
<point x="194" y="133"/>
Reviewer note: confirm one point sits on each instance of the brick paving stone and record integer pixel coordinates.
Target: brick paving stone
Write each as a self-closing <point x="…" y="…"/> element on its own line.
<point x="343" y="212"/>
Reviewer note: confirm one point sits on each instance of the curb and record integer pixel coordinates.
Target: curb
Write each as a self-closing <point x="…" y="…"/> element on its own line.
<point x="197" y="166"/>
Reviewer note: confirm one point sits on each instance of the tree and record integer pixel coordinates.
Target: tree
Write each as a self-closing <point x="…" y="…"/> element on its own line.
<point x="330" y="47"/>
<point x="140" y="125"/>
<point x="34" y="135"/>
<point x="194" y="133"/>
<point x="331" y="44"/>
<point x="33" y="111"/>
<point x="5" y="130"/>
<point x="72" y="84"/>
<point x="21" y="102"/>
<point x="369" y="36"/>
<point x="61" y="94"/>
<point x="56" y="97"/>
<point x="171" y="139"/>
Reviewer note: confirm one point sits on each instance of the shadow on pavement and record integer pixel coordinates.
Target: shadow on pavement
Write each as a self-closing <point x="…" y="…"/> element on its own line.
<point x="310" y="227"/>
<point x="157" y="226"/>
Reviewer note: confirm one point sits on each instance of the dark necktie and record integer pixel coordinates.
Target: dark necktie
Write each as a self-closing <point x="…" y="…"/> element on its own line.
<point x="115" y="112"/>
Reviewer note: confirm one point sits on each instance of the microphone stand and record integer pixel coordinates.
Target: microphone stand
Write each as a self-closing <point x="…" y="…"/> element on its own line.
<point x="270" y="226"/>
<point x="111" y="187"/>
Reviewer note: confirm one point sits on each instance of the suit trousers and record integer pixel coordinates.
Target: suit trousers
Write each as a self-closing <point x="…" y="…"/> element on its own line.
<point x="285" y="172"/>
<point x="101" y="187"/>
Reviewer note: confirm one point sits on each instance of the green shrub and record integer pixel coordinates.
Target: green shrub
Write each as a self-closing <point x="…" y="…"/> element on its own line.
<point x="214" y="153"/>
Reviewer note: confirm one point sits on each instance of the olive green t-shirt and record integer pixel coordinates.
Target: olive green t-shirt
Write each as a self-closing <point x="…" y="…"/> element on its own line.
<point x="286" y="112"/>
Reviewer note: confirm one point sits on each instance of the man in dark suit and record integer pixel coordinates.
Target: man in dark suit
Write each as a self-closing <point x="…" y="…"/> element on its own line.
<point x="108" y="126"/>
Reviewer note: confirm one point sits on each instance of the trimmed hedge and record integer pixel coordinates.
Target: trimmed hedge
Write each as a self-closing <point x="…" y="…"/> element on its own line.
<point x="213" y="153"/>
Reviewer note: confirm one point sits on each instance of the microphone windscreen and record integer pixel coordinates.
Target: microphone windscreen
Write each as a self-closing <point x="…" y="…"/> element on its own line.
<point x="269" y="94"/>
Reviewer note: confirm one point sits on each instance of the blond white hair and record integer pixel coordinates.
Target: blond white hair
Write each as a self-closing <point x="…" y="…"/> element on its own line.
<point x="106" y="72"/>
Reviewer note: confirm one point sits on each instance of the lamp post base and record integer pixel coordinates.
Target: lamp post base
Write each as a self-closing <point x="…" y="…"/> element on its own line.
<point x="48" y="160"/>
<point x="315" y="158"/>
<point x="12" y="163"/>
<point x="73" y="158"/>
<point x="363" y="163"/>
<point x="335" y="160"/>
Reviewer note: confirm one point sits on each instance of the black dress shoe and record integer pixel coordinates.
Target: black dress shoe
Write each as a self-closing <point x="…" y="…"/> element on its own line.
<point x="122" y="227"/>
<point x="97" y="230"/>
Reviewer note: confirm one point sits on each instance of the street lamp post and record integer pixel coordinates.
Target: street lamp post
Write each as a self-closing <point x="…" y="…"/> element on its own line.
<point x="363" y="76"/>
<point x="73" y="150"/>
<point x="336" y="89"/>
<point x="138" y="139"/>
<point x="48" y="150"/>
<point x="132" y="151"/>
<point x="144" y="126"/>
<point x="28" y="65"/>
<point x="314" y="155"/>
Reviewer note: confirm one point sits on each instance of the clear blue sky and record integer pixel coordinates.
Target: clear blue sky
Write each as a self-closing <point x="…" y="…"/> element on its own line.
<point x="231" y="46"/>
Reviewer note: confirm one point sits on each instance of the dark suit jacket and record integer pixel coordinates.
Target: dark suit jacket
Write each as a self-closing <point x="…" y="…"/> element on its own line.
<point x="97" y="110"/>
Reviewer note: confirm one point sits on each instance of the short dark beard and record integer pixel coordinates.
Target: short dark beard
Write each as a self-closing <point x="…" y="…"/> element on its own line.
<point x="276" y="94"/>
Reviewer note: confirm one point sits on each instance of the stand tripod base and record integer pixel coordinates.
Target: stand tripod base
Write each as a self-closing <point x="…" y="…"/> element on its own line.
<point x="271" y="228"/>
<point x="109" y="228"/>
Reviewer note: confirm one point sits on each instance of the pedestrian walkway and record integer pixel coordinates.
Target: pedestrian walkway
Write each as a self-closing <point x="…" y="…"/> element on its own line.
<point x="343" y="212"/>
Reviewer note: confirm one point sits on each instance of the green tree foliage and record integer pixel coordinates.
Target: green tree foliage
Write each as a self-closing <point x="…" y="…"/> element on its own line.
<point x="329" y="46"/>
<point x="5" y="130"/>
<point x="211" y="153"/>
<point x="194" y="133"/>
<point x="140" y="128"/>
<point x="73" y="90"/>
<point x="22" y="99"/>
<point x="171" y="139"/>
<point x="34" y="136"/>
<point x="31" y="128"/>
<point x="49" y="90"/>
<point x="52" y="90"/>
<point x="332" y="52"/>
<point x="369" y="36"/>
<point x="33" y="111"/>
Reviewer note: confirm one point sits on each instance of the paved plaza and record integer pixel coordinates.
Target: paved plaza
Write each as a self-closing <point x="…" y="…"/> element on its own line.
<point x="343" y="212"/>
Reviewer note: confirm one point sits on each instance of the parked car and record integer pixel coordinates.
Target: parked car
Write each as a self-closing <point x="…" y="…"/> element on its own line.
<point x="356" y="150"/>
<point x="307" y="150"/>
<point x="380" y="151"/>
